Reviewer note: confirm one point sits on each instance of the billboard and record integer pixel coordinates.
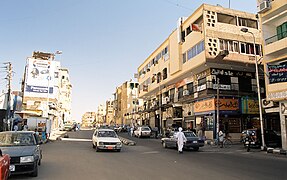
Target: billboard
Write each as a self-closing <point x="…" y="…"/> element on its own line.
<point x="41" y="78"/>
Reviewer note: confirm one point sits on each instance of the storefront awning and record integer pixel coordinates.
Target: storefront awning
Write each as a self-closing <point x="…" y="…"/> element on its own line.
<point x="37" y="113"/>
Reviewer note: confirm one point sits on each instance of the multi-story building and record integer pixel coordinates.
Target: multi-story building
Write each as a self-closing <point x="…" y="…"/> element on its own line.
<point x="88" y="119"/>
<point x="207" y="52"/>
<point x="65" y="96"/>
<point x="101" y="114"/>
<point x="274" y="25"/>
<point x="40" y="89"/>
<point x="110" y="119"/>
<point x="126" y="104"/>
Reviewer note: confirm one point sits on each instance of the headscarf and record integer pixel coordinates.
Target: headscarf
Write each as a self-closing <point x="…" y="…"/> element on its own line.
<point x="179" y="129"/>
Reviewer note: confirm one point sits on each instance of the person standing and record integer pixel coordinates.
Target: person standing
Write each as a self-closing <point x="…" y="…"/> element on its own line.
<point x="221" y="138"/>
<point x="181" y="139"/>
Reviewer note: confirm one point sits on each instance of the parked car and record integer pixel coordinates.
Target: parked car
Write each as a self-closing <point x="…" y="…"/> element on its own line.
<point x="24" y="150"/>
<point x="68" y="127"/>
<point x="142" y="131"/>
<point x="193" y="142"/>
<point x="106" y="139"/>
<point x="271" y="137"/>
<point x="4" y="166"/>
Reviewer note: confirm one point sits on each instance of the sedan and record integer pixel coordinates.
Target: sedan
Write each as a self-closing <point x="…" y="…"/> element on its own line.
<point x="193" y="142"/>
<point x="24" y="150"/>
<point x="106" y="139"/>
<point x="142" y="131"/>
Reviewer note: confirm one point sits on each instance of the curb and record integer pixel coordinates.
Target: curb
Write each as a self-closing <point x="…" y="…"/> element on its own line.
<point x="127" y="141"/>
<point x="277" y="151"/>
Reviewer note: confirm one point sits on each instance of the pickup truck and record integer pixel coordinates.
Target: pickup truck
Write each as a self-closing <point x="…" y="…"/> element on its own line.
<point x="4" y="166"/>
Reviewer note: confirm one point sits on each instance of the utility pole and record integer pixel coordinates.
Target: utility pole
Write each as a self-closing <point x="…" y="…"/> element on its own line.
<point x="8" y="106"/>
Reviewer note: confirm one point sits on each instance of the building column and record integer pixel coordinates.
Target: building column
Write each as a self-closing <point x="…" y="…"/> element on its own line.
<point x="283" y="122"/>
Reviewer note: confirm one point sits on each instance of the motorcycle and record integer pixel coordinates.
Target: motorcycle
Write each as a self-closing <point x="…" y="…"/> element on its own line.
<point x="250" y="140"/>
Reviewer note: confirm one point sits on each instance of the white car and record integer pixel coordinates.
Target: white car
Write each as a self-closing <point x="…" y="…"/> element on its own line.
<point x="142" y="131"/>
<point x="106" y="139"/>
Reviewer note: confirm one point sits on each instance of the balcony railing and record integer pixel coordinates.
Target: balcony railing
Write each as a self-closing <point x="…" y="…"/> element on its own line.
<point x="275" y="38"/>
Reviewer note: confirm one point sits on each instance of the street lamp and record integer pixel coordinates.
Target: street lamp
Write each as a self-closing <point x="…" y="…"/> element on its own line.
<point x="245" y="30"/>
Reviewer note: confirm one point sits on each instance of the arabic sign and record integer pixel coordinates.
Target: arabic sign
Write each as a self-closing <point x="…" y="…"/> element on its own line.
<point x="210" y="105"/>
<point x="277" y="73"/>
<point x="249" y="106"/>
<point x="225" y="72"/>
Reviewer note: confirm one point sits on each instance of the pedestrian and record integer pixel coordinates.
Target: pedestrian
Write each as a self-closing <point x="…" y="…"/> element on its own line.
<point x="25" y="127"/>
<point x="181" y="139"/>
<point x="220" y="138"/>
<point x="132" y="130"/>
<point x="15" y="127"/>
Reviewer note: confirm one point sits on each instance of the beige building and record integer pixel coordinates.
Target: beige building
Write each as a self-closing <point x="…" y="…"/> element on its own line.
<point x="65" y="96"/>
<point x="178" y="81"/>
<point x="88" y="119"/>
<point x="126" y="103"/>
<point x="101" y="114"/>
<point x="274" y="25"/>
<point x="110" y="118"/>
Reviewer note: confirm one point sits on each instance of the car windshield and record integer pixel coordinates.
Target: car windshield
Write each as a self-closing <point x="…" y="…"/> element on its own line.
<point x="107" y="134"/>
<point x="145" y="129"/>
<point x="189" y="134"/>
<point x="17" y="139"/>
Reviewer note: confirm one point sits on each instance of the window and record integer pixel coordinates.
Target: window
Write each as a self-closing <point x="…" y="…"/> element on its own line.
<point x="189" y="56"/>
<point x="164" y="73"/>
<point x="202" y="81"/>
<point x="158" y="77"/>
<point x="180" y="92"/>
<point x="224" y="18"/>
<point x="183" y="58"/>
<point x="235" y="46"/>
<point x="243" y="48"/>
<point x="242" y="22"/>
<point x="230" y="46"/>
<point x="188" y="30"/>
<point x="190" y="87"/>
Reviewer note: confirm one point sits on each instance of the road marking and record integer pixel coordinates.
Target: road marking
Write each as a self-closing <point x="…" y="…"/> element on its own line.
<point x="151" y="152"/>
<point x="74" y="139"/>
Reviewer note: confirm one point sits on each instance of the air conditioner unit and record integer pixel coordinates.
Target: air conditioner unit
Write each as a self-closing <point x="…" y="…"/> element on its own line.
<point x="264" y="6"/>
<point x="185" y="92"/>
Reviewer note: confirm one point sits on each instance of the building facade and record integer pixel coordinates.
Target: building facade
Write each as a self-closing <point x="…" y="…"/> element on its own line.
<point x="101" y="114"/>
<point x="203" y="74"/>
<point x="65" y="97"/>
<point x="110" y="117"/>
<point x="88" y="119"/>
<point x="126" y="104"/>
<point x="274" y="25"/>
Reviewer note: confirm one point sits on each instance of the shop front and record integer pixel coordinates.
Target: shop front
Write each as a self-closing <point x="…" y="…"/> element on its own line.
<point x="229" y="116"/>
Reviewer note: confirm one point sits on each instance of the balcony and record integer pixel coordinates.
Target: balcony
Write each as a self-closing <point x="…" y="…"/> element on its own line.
<point x="276" y="45"/>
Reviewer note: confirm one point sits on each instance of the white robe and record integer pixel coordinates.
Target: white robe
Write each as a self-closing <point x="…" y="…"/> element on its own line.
<point x="181" y="139"/>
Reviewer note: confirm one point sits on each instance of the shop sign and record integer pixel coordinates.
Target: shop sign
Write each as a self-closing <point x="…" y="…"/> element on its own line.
<point x="222" y="86"/>
<point x="202" y="106"/>
<point x="210" y="105"/>
<point x="228" y="104"/>
<point x="277" y="73"/>
<point x="201" y="75"/>
<point x="201" y="88"/>
<point x="277" y="95"/>
<point x="225" y="72"/>
<point x="250" y="106"/>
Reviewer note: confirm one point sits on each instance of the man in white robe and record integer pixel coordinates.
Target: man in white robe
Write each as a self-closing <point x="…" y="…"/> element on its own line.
<point x="181" y="139"/>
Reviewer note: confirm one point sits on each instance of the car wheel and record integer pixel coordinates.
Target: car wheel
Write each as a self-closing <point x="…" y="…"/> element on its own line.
<point x="35" y="172"/>
<point x="196" y="148"/>
<point x="118" y="150"/>
<point x="164" y="144"/>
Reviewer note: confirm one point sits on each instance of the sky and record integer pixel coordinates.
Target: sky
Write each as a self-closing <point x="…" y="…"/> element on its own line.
<point x="103" y="41"/>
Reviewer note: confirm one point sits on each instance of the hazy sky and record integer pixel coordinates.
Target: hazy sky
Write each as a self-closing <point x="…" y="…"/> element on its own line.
<point x="103" y="41"/>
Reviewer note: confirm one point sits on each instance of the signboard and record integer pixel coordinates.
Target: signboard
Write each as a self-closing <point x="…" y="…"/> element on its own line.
<point x="41" y="77"/>
<point x="210" y="105"/>
<point x="249" y="106"/>
<point x="231" y="73"/>
<point x="277" y="73"/>
<point x="277" y="95"/>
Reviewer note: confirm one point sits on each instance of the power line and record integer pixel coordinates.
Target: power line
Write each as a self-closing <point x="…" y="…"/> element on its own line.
<point x="177" y="5"/>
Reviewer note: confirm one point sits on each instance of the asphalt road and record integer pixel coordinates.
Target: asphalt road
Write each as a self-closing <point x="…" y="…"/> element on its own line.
<point x="76" y="159"/>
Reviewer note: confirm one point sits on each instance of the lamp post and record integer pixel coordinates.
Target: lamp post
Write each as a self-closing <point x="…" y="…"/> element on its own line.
<point x="245" y="30"/>
<point x="217" y="108"/>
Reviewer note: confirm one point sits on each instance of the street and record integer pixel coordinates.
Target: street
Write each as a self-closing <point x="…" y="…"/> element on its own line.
<point x="149" y="160"/>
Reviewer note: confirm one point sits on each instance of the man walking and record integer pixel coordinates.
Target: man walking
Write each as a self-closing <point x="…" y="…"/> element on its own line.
<point x="181" y="139"/>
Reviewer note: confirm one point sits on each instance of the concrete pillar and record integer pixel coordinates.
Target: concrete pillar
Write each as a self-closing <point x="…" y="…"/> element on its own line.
<point x="283" y="122"/>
